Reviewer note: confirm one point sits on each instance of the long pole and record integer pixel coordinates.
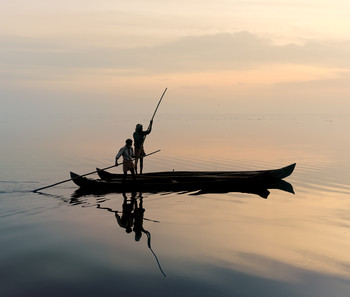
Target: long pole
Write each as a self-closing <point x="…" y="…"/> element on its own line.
<point x="158" y="104"/>
<point x="67" y="180"/>
<point x="155" y="111"/>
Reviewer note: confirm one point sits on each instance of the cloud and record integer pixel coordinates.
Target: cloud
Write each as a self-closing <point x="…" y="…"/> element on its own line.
<point x="224" y="51"/>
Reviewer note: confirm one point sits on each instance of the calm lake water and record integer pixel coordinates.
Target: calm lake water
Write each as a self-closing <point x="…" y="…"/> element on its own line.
<point x="235" y="244"/>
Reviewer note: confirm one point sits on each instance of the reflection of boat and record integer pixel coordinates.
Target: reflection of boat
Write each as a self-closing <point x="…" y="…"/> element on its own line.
<point x="200" y="182"/>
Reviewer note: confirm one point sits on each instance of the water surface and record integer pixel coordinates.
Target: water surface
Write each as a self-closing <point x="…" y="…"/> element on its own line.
<point x="235" y="244"/>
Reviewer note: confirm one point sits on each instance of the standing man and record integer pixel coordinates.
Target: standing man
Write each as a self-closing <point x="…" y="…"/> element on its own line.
<point x="128" y="153"/>
<point x="139" y="138"/>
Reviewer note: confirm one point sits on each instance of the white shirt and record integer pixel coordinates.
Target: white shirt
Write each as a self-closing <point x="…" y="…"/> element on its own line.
<point x="126" y="152"/>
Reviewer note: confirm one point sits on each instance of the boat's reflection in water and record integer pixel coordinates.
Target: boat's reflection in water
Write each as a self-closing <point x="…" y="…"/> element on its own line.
<point x="131" y="214"/>
<point x="130" y="217"/>
<point x="258" y="187"/>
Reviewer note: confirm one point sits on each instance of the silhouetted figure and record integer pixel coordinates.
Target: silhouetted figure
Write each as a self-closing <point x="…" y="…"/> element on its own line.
<point x="128" y="153"/>
<point x="132" y="219"/>
<point x="139" y="212"/>
<point x="139" y="138"/>
<point x="126" y="221"/>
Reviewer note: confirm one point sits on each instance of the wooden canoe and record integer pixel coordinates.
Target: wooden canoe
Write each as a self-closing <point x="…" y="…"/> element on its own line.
<point x="199" y="182"/>
<point x="204" y="175"/>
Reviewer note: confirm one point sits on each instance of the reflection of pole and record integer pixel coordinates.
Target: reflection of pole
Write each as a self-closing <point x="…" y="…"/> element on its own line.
<point x="141" y="230"/>
<point x="117" y="211"/>
<point x="155" y="256"/>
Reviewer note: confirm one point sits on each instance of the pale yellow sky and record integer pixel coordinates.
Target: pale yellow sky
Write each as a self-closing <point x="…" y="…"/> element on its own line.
<point x="222" y="55"/>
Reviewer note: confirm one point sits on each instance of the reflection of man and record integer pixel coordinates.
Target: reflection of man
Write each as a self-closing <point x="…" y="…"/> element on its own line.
<point x="139" y="212"/>
<point x="133" y="216"/>
<point x="127" y="218"/>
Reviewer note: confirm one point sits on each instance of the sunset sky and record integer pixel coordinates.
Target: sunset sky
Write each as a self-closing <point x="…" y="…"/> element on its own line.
<point x="221" y="56"/>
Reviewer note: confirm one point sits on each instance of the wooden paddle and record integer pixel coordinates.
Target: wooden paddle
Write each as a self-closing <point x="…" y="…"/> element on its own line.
<point x="64" y="181"/>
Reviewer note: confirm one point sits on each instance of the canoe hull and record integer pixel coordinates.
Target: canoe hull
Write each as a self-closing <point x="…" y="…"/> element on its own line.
<point x="256" y="182"/>
<point x="273" y="174"/>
